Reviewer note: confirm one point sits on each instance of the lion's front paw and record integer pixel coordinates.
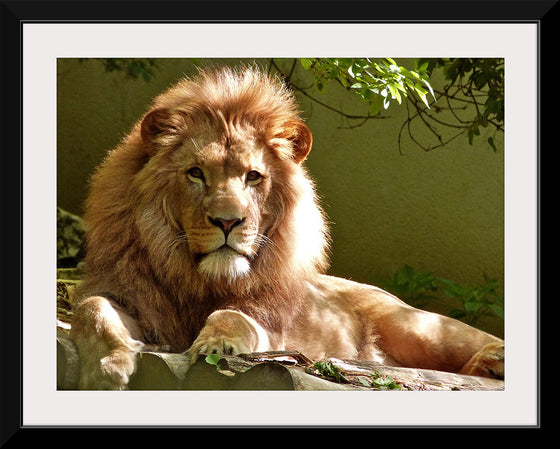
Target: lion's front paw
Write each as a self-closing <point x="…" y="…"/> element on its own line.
<point x="218" y="344"/>
<point x="112" y="372"/>
<point x="229" y="332"/>
<point x="488" y="362"/>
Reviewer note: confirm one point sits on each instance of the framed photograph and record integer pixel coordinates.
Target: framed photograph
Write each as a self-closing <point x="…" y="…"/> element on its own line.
<point x="479" y="201"/>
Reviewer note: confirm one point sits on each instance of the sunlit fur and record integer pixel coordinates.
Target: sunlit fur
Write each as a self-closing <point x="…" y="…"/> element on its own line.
<point x="138" y="248"/>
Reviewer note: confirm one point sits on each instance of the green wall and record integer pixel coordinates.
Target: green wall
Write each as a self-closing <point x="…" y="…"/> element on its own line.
<point x="440" y="211"/>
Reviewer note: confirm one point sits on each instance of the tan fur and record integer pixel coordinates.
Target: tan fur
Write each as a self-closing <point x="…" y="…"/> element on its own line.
<point x="217" y="161"/>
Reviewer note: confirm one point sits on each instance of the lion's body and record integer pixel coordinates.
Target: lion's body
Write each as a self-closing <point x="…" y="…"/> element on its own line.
<point x="204" y="233"/>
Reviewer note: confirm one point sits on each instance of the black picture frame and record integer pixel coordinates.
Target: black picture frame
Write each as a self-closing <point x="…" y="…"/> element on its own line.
<point x="16" y="13"/>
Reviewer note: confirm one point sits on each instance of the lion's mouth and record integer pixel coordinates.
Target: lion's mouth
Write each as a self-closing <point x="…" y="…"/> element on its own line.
<point x="225" y="249"/>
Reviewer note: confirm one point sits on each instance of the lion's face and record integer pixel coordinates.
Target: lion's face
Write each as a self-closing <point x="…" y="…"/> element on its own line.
<point x="225" y="185"/>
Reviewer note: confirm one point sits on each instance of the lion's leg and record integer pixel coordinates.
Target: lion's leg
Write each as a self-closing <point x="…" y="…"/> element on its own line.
<point x="419" y="339"/>
<point x="229" y="332"/>
<point x="104" y="337"/>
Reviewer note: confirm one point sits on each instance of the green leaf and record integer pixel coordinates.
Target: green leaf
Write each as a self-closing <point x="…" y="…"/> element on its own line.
<point x="364" y="381"/>
<point x="480" y="80"/>
<point x="375" y="106"/>
<point x="401" y="87"/>
<point x="472" y="306"/>
<point x="499" y="311"/>
<point x="424" y="99"/>
<point x="393" y="91"/>
<point x="429" y="88"/>
<point x="213" y="359"/>
<point x="333" y="73"/>
<point x="383" y="383"/>
<point x="423" y="67"/>
<point x="419" y="89"/>
<point x="307" y="63"/>
<point x="366" y="94"/>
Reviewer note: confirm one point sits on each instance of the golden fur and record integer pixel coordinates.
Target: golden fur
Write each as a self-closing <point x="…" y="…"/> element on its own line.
<point x="204" y="233"/>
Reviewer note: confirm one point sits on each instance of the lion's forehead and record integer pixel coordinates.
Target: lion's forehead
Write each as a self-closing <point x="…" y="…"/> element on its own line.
<point x="216" y="137"/>
<point x="231" y="157"/>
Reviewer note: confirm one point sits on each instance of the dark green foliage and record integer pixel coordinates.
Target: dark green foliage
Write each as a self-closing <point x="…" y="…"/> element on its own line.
<point x="419" y="289"/>
<point x="328" y="369"/>
<point x="132" y="68"/>
<point x="477" y="301"/>
<point x="380" y="382"/>
<point x="476" y="81"/>
<point x="412" y="286"/>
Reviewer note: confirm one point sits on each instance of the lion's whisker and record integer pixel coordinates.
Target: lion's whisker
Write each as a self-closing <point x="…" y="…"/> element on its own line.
<point x="263" y="240"/>
<point x="178" y="240"/>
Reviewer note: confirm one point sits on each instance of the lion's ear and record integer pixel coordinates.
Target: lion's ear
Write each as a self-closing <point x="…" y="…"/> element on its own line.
<point x="161" y="127"/>
<point x="302" y="139"/>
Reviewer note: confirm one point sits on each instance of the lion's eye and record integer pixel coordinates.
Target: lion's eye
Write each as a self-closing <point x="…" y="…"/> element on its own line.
<point x="195" y="173"/>
<point x="253" y="177"/>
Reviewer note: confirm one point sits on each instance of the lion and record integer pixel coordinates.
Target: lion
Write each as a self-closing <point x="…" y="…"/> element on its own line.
<point x="205" y="235"/>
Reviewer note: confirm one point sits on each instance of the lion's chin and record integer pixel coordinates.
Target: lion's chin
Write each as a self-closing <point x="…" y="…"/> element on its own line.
<point x="224" y="264"/>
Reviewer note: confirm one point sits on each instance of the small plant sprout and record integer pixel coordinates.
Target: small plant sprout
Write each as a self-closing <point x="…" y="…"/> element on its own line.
<point x="213" y="359"/>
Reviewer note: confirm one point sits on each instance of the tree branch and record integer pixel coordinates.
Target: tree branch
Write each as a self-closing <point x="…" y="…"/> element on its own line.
<point x="323" y="104"/>
<point x="458" y="96"/>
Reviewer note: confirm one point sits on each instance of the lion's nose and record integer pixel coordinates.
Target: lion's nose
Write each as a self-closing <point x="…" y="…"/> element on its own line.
<point x="226" y="225"/>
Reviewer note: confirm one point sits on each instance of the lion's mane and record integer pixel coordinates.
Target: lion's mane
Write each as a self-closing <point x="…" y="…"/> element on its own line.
<point x="136" y="252"/>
